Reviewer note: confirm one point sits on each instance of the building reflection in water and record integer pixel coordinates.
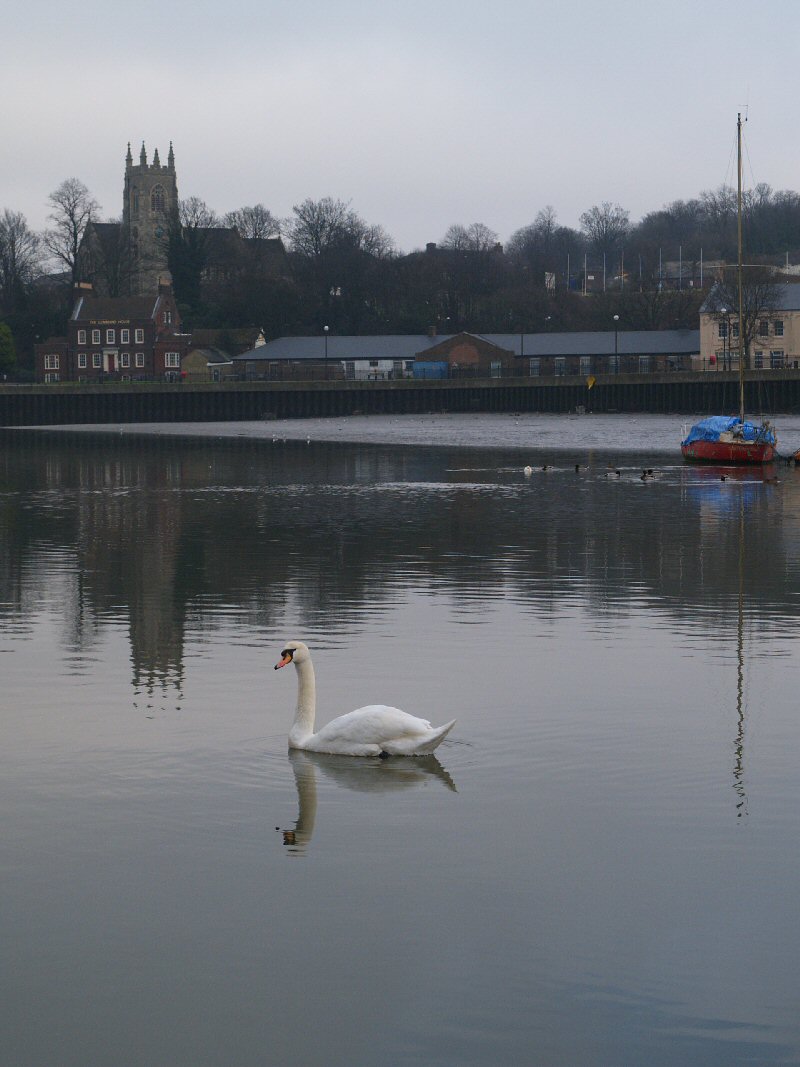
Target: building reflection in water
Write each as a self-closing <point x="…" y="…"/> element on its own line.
<point x="162" y="536"/>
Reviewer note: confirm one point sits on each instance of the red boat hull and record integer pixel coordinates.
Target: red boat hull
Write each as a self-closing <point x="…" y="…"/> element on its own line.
<point x="752" y="452"/>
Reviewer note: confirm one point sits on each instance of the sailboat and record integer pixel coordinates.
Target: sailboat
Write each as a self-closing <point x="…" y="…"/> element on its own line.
<point x="730" y="438"/>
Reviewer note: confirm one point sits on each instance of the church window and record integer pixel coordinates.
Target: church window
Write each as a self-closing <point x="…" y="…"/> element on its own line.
<point x="157" y="198"/>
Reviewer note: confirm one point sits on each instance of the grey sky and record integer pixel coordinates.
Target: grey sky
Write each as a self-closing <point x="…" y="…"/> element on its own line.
<point x="421" y="114"/>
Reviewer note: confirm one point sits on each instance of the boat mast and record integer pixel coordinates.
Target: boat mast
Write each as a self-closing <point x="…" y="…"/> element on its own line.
<point x="739" y="262"/>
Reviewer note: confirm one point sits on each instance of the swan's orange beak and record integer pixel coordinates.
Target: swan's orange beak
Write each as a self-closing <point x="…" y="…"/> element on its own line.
<point x="286" y="659"/>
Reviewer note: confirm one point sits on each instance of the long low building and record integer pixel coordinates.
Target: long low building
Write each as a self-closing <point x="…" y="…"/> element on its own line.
<point x="467" y="354"/>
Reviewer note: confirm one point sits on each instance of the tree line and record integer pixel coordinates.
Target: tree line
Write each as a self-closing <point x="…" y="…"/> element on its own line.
<point x="327" y="266"/>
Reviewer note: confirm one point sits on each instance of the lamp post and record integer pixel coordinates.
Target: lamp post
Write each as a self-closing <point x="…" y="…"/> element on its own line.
<point x="325" y="329"/>
<point x="616" y="344"/>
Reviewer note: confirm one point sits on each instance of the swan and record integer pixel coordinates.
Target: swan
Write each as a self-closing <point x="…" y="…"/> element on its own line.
<point x="376" y="730"/>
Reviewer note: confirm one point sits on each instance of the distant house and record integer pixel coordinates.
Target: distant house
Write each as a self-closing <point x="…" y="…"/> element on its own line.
<point x="393" y="356"/>
<point x="206" y="364"/>
<point x="377" y="358"/>
<point x="465" y="355"/>
<point x="116" y="338"/>
<point x="777" y="336"/>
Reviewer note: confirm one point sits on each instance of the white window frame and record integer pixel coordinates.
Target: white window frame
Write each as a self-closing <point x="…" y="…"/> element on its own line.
<point x="55" y="377"/>
<point x="51" y="362"/>
<point x="95" y="337"/>
<point x="172" y="360"/>
<point x="139" y="359"/>
<point x="778" y="327"/>
<point x="645" y="364"/>
<point x="110" y="335"/>
<point x="82" y="360"/>
<point x="139" y="336"/>
<point x="777" y="359"/>
<point x="97" y="360"/>
<point x="722" y="329"/>
<point x="81" y="337"/>
<point x="167" y="318"/>
<point x="124" y="359"/>
<point x="124" y="337"/>
<point x="534" y="367"/>
<point x="758" y="360"/>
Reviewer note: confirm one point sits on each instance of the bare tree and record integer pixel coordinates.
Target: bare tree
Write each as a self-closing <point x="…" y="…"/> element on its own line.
<point x="253" y="223"/>
<point x="606" y="226"/>
<point x="189" y="240"/>
<point x="760" y="299"/>
<point x="73" y="209"/>
<point x="320" y="225"/>
<point x="473" y="238"/>
<point x="19" y="259"/>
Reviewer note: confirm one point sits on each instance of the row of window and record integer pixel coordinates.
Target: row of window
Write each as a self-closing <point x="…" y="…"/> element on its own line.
<point x="763" y="328"/>
<point x="610" y="365"/>
<point x="53" y="361"/>
<point x="111" y="336"/>
<point x="97" y="359"/>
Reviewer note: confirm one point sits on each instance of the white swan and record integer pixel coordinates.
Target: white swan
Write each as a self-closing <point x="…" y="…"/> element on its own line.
<point x="375" y="730"/>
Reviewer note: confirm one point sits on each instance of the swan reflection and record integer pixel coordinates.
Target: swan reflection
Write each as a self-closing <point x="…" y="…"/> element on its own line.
<point x="356" y="773"/>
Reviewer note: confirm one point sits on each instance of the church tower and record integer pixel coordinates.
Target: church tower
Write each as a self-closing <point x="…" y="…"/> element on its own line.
<point x="149" y="210"/>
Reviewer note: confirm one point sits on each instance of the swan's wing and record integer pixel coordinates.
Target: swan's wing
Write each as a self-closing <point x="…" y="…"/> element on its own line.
<point x="373" y="725"/>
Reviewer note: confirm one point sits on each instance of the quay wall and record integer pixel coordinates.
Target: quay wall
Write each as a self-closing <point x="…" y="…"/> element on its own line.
<point x="766" y="392"/>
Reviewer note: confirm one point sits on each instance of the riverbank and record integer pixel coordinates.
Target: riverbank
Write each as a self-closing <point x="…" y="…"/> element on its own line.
<point x="538" y="432"/>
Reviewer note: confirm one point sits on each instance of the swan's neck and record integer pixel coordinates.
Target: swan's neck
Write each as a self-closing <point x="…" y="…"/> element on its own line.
<point x="303" y="726"/>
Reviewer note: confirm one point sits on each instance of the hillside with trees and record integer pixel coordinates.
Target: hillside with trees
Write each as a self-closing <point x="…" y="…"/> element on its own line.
<point x="327" y="266"/>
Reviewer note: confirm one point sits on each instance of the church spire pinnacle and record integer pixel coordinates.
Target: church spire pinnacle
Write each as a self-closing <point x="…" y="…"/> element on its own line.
<point x="143" y="156"/>
<point x="128" y="158"/>
<point x="156" y="160"/>
<point x="171" y="158"/>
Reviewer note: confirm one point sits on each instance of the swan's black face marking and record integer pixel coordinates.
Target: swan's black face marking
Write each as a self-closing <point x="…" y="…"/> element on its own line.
<point x="286" y="657"/>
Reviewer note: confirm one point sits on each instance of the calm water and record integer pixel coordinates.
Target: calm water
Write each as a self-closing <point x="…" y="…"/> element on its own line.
<point x="601" y="866"/>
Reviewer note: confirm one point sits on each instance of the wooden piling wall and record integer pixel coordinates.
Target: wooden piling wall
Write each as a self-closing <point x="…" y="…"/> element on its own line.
<point x="767" y="392"/>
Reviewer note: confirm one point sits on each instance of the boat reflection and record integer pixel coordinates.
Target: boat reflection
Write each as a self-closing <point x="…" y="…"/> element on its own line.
<point x="361" y="775"/>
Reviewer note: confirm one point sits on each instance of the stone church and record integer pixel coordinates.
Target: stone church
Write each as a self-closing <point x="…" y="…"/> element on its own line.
<point x="129" y="258"/>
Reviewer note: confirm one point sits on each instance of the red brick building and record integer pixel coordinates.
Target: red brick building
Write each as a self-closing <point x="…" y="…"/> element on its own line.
<point x="125" y="338"/>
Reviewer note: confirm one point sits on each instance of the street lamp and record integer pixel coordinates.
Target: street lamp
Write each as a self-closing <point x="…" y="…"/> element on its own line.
<point x="326" y="328"/>
<point x="616" y="344"/>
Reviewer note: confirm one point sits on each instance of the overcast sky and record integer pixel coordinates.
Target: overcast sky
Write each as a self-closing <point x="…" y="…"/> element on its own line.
<point x="421" y="114"/>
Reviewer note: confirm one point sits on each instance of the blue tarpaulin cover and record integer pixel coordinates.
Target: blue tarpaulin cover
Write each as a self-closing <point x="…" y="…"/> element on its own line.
<point x="710" y="430"/>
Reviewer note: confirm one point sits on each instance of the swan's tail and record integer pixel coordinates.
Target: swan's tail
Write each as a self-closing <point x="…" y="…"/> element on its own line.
<point x="434" y="739"/>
